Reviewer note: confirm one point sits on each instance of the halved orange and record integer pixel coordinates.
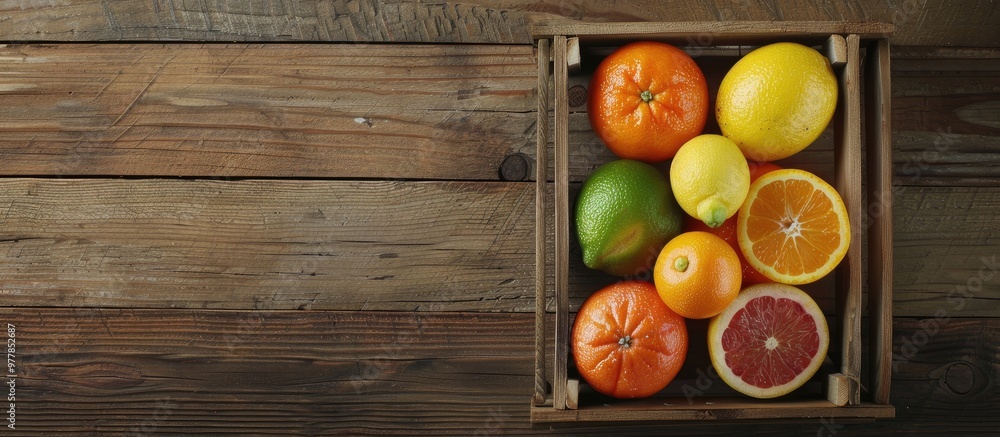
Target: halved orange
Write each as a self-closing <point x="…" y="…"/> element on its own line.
<point x="793" y="227"/>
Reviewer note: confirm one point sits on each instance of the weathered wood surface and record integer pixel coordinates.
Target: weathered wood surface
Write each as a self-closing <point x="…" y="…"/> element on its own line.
<point x="326" y="372"/>
<point x="365" y="177"/>
<point x="361" y="111"/>
<point x="380" y="245"/>
<point x="274" y="244"/>
<point x="944" y="116"/>
<point x="918" y="22"/>
<point x="430" y="112"/>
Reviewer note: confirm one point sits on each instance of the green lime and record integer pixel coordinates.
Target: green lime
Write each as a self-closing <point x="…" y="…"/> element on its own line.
<point x="625" y="213"/>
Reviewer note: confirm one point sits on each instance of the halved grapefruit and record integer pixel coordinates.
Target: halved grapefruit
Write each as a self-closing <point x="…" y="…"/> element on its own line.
<point x="769" y="341"/>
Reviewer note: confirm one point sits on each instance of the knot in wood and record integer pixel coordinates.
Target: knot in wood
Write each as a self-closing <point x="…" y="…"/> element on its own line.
<point x="514" y="168"/>
<point x="960" y="378"/>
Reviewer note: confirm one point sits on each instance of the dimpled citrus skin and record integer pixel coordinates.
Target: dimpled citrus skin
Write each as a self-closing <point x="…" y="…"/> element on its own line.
<point x="626" y="342"/>
<point x="776" y="100"/>
<point x="625" y="213"/>
<point x="710" y="178"/>
<point x="646" y="99"/>
<point x="697" y="274"/>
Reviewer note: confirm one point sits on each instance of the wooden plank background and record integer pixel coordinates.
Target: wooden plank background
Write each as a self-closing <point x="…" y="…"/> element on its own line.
<point x="267" y="234"/>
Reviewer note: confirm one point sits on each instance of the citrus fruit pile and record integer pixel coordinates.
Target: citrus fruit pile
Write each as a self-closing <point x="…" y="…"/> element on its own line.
<point x="725" y="234"/>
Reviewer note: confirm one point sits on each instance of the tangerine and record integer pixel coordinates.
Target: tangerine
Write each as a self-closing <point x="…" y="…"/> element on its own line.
<point x="626" y="342"/>
<point x="647" y="99"/>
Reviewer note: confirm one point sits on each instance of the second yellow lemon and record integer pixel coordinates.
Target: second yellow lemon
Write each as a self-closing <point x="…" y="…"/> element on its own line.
<point x="776" y="100"/>
<point x="710" y="178"/>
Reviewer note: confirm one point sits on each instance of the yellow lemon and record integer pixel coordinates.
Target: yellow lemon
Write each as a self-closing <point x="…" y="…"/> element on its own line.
<point x="776" y="100"/>
<point x="710" y="178"/>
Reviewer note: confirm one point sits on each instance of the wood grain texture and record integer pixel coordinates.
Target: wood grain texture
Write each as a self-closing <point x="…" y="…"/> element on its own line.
<point x="717" y="33"/>
<point x="944" y="116"/>
<point x="431" y="112"/>
<point x="541" y="165"/>
<point x="878" y="144"/>
<point x="376" y="245"/>
<point x="847" y="157"/>
<point x="322" y="372"/>
<point x="560" y="395"/>
<point x="945" y="253"/>
<point x="351" y="245"/>
<point x="362" y="111"/>
<point x="944" y="377"/>
<point x="925" y="22"/>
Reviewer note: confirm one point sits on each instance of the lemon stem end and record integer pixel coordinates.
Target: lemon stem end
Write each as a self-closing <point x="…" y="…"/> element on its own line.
<point x="713" y="213"/>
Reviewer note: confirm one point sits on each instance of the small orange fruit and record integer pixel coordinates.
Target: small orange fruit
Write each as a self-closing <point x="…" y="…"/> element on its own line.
<point x="646" y="100"/>
<point x="697" y="274"/>
<point x="793" y="227"/>
<point x="626" y="342"/>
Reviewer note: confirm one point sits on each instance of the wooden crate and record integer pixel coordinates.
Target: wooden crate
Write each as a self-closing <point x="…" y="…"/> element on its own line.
<point x="862" y="118"/>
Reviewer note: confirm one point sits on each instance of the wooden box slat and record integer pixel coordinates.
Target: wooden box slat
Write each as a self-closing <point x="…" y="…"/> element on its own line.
<point x="843" y="42"/>
<point x="879" y="155"/>
<point x="847" y="180"/>
<point x="561" y="133"/>
<point x="541" y="166"/>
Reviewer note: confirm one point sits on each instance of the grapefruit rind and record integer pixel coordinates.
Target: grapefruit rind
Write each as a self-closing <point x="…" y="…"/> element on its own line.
<point x="837" y="203"/>
<point x="718" y="324"/>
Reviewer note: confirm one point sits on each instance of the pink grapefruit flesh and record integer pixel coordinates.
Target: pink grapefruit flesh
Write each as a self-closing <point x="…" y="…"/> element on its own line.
<point x="769" y="341"/>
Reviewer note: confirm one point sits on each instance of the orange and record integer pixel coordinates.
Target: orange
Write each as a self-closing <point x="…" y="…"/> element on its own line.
<point x="727" y="231"/>
<point x="793" y="227"/>
<point x="770" y="341"/>
<point x="626" y="342"/>
<point x="697" y="274"/>
<point x="758" y="169"/>
<point x="647" y="99"/>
